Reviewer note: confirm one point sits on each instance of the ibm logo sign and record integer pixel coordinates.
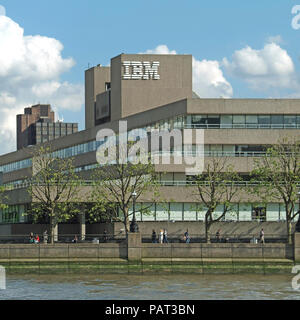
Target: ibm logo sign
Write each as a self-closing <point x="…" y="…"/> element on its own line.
<point x="137" y="70"/>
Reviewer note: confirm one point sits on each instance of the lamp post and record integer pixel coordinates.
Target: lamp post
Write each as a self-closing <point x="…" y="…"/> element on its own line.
<point x="297" y="228"/>
<point x="134" y="226"/>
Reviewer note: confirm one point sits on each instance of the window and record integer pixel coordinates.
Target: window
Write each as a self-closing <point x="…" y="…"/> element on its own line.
<point x="264" y="121"/>
<point x="226" y="121"/>
<point x="290" y="121"/>
<point x="277" y="121"/>
<point x="239" y="121"/>
<point x="199" y="121"/>
<point x="213" y="121"/>
<point x="251" y="121"/>
<point x="259" y="214"/>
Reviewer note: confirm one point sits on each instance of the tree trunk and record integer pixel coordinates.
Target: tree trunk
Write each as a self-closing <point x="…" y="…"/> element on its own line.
<point x="126" y="221"/>
<point x="52" y="228"/>
<point x="207" y="228"/>
<point x="289" y="231"/>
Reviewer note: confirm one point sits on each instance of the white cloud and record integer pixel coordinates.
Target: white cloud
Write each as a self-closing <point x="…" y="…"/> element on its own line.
<point x="30" y="70"/>
<point x="269" y="67"/>
<point x="208" y="79"/>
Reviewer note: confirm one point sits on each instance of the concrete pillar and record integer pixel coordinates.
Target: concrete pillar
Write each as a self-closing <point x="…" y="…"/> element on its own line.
<point x="297" y="246"/>
<point x="82" y="225"/>
<point x="134" y="246"/>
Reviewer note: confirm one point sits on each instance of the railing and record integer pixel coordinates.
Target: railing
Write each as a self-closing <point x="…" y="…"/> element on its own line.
<point x="162" y="183"/>
<point x="241" y="126"/>
<point x="146" y="238"/>
<point x="63" y="238"/>
<point x="223" y="238"/>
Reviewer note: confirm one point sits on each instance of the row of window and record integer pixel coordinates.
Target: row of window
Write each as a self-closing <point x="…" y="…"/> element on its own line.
<point x="228" y="122"/>
<point x="178" y="212"/>
<point x="12" y="214"/>
<point x="188" y="212"/>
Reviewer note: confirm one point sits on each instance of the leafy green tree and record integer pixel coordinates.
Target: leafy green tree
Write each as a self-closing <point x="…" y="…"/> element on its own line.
<point x="119" y="183"/>
<point x="277" y="176"/>
<point x="216" y="186"/>
<point x="53" y="188"/>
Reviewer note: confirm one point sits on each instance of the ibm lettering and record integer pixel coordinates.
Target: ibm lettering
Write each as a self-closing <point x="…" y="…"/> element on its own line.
<point x="137" y="70"/>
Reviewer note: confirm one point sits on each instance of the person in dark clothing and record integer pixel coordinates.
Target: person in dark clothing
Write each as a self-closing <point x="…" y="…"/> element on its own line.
<point x="105" y="235"/>
<point x="154" y="239"/>
<point x="218" y="235"/>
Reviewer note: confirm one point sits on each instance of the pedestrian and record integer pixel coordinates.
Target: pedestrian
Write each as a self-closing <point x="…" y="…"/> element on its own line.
<point x="165" y="236"/>
<point x="161" y="235"/>
<point x="45" y="236"/>
<point x="187" y="237"/>
<point x="154" y="240"/>
<point x="262" y="235"/>
<point x="105" y="235"/>
<point x="75" y="240"/>
<point x="36" y="239"/>
<point x="218" y="235"/>
<point x="31" y="238"/>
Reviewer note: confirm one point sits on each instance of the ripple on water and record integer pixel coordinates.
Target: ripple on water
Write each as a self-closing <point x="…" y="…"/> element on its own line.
<point x="116" y="287"/>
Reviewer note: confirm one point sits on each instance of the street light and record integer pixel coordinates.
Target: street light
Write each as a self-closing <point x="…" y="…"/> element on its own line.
<point x="134" y="226"/>
<point x="297" y="228"/>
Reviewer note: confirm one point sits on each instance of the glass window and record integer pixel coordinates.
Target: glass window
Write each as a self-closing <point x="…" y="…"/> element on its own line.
<point x="148" y="212"/>
<point x="277" y="121"/>
<point x="251" y="121"/>
<point x="245" y="210"/>
<point x="138" y="214"/>
<point x="188" y="121"/>
<point x="162" y="212"/>
<point x="290" y="121"/>
<point x="259" y="213"/>
<point x="178" y="122"/>
<point x="190" y="213"/>
<point x="228" y="150"/>
<point x="218" y="212"/>
<point x="176" y="210"/>
<point x="239" y="121"/>
<point x="199" y="121"/>
<point x="264" y="121"/>
<point x="273" y="212"/>
<point x="226" y="121"/>
<point x="213" y="121"/>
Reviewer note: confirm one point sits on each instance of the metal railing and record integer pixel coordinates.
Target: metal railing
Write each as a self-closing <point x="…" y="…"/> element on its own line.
<point x="241" y="126"/>
<point x="146" y="238"/>
<point x="223" y="238"/>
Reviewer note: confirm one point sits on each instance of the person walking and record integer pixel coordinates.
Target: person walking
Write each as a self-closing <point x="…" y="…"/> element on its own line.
<point x="262" y="235"/>
<point x="218" y="235"/>
<point x="161" y="235"/>
<point x="154" y="236"/>
<point x="187" y="237"/>
<point x="105" y="235"/>
<point x="165" y="236"/>
<point x="36" y="239"/>
<point x="45" y="237"/>
<point x="31" y="238"/>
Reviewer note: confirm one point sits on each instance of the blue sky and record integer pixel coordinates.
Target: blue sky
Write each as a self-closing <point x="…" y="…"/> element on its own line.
<point x="94" y="31"/>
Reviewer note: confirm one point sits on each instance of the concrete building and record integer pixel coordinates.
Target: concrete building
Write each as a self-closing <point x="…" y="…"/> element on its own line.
<point x="155" y="92"/>
<point x="37" y="125"/>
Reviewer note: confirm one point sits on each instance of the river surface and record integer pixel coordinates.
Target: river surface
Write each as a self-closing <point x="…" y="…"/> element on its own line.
<point x="160" y="287"/>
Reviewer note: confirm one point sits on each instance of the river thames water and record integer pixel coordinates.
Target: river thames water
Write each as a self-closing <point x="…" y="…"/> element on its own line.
<point x="142" y="287"/>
